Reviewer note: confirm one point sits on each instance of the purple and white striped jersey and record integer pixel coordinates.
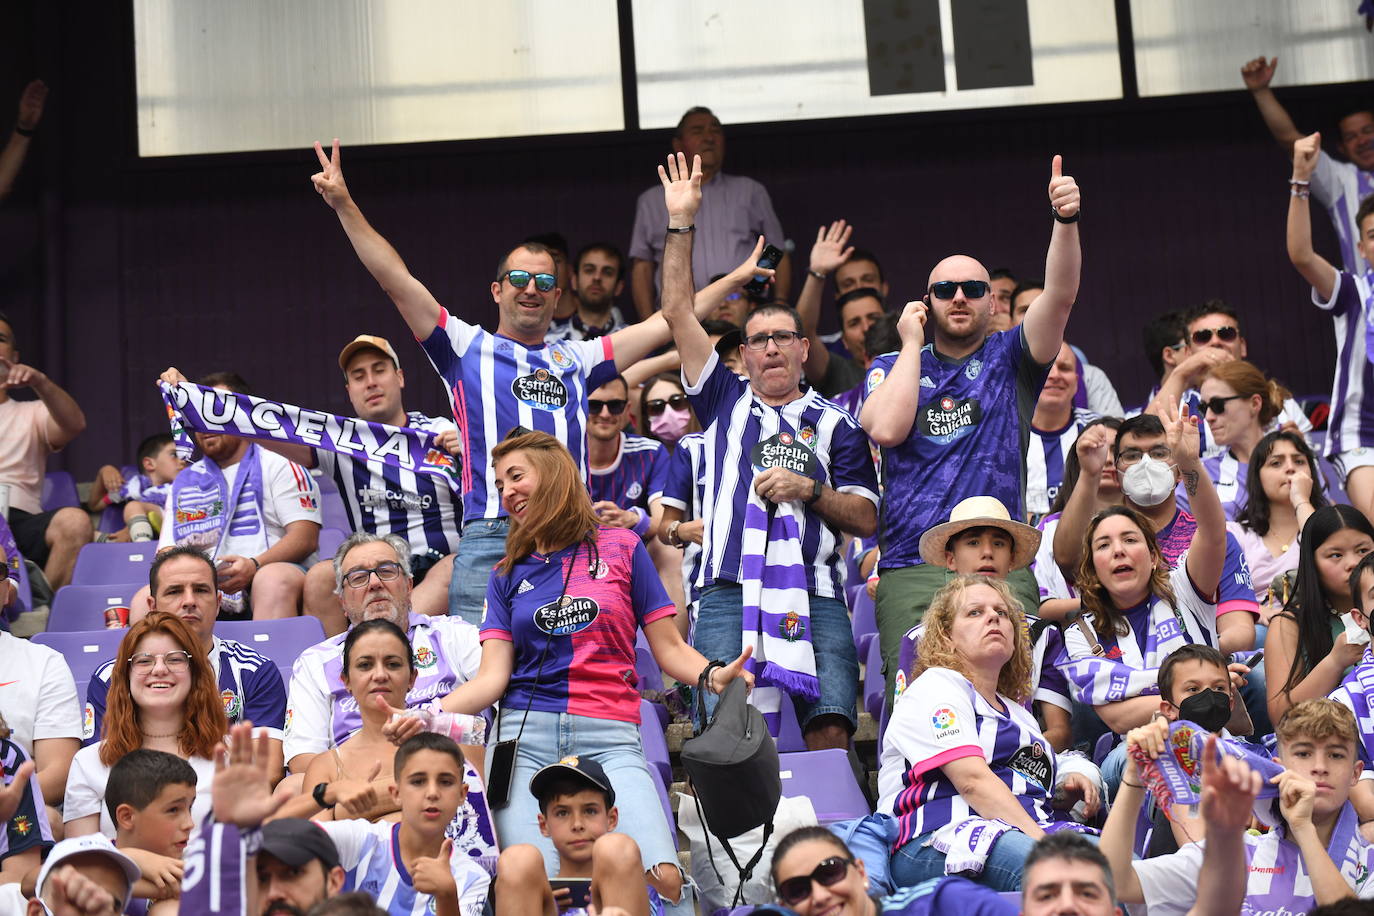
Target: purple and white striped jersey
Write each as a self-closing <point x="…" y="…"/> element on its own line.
<point x="1045" y="457"/>
<point x="824" y="443"/>
<point x="28" y="827"/>
<point x="384" y="499"/>
<point x="939" y="718"/>
<point x="1048" y="684"/>
<point x="320" y="712"/>
<point x="1228" y="475"/>
<point x="495" y="384"/>
<point x="1130" y="664"/>
<point x="1351" y="305"/>
<point x="371" y="858"/>
<point x="682" y="490"/>
<point x="1341" y="186"/>
<point x="1048" y="575"/>
<point x="250" y="687"/>
<point x="215" y="870"/>
<point x="635" y="477"/>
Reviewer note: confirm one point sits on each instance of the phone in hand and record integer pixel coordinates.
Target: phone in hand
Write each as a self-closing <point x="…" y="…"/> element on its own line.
<point x="771" y="258"/>
<point x="579" y="889"/>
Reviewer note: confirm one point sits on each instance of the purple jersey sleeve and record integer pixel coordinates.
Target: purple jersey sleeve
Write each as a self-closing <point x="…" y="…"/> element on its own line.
<point x="215" y="871"/>
<point x="496" y="620"/>
<point x="647" y="596"/>
<point x="678" y="481"/>
<point x="9" y="551"/>
<point x="264" y="701"/>
<point x="94" y="714"/>
<point x="851" y="462"/>
<point x="658" y="474"/>
<point x="1235" y="591"/>
<point x="28" y="827"/>
<point x="716" y="392"/>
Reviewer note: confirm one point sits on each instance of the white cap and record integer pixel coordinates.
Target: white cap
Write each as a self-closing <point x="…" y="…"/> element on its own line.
<point x="90" y="843"/>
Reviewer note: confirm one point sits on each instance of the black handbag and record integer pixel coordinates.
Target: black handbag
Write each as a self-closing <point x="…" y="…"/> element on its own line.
<point x="733" y="766"/>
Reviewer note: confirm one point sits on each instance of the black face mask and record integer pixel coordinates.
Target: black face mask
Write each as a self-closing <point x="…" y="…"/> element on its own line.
<point x="1210" y="709"/>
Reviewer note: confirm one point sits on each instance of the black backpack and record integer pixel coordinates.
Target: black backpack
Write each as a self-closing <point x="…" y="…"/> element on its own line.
<point x="732" y="764"/>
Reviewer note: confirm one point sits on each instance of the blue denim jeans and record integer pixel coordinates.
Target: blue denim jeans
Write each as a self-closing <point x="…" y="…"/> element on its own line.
<point x="549" y="737"/>
<point x="719" y="635"/>
<point x="481" y="547"/>
<point x="915" y="862"/>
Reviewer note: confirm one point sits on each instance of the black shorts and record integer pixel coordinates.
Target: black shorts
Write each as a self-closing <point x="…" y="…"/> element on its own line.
<point x="30" y="533"/>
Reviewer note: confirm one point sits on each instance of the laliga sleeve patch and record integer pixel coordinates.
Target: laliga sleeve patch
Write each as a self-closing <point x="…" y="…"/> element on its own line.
<point x="945" y="722"/>
<point x="875" y="378"/>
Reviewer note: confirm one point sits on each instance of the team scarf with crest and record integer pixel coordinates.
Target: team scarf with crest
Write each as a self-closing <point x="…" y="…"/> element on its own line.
<point x="777" y="604"/>
<point x="1175" y="776"/>
<point x="1359" y="686"/>
<point x="195" y="408"/>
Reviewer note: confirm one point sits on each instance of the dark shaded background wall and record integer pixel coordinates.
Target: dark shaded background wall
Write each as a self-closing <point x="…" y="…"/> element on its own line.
<point x="113" y="268"/>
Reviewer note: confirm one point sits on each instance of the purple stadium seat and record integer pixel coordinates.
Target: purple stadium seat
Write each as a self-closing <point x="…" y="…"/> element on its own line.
<point x="646" y="668"/>
<point x="1103" y="747"/>
<point x="114" y="564"/>
<point x="330" y="539"/>
<point x="865" y="621"/>
<point x="332" y="511"/>
<point x="280" y="640"/>
<point x="84" y="652"/>
<point x="326" y="483"/>
<point x="875" y="688"/>
<point x="827" y="779"/>
<point x="655" y="744"/>
<point x="789" y="729"/>
<point x="59" y="491"/>
<point x="667" y="810"/>
<point x="82" y="607"/>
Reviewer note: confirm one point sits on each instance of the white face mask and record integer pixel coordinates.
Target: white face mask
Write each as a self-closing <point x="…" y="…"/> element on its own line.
<point x="1148" y="482"/>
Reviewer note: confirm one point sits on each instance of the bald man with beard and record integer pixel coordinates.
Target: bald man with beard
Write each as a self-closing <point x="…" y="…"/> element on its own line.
<point x="953" y="415"/>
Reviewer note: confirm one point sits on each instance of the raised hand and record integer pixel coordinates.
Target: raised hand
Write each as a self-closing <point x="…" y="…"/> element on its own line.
<point x="681" y="189"/>
<point x="242" y="791"/>
<point x="435" y="876"/>
<point x="13" y="793"/>
<point x="401" y="724"/>
<point x="172" y="376"/>
<point x="1064" y="196"/>
<point x="1182" y="435"/>
<point x="31" y="104"/>
<point x="749" y="268"/>
<point x="1258" y="73"/>
<point x="1229" y="789"/>
<point x="1094" y="451"/>
<point x="911" y="325"/>
<point x="1305" y="153"/>
<point x="830" y="250"/>
<point x="18" y="375"/>
<point x="1152" y="738"/>
<point x="329" y="180"/>
<point x="721" y="677"/>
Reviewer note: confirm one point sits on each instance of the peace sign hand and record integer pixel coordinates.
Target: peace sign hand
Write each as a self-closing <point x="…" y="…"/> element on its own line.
<point x="329" y="181"/>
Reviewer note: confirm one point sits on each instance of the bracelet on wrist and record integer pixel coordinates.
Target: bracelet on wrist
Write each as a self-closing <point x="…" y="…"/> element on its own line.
<point x="257" y="567"/>
<point x="1131" y="784"/>
<point x="817" y="274"/>
<point x="1063" y="219"/>
<point x="682" y="230"/>
<point x="1299" y="182"/>
<point x="23" y="131"/>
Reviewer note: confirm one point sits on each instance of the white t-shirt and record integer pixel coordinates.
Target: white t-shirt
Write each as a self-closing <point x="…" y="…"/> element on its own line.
<point x="86" y="788"/>
<point x="371" y="856"/>
<point x="289" y="494"/>
<point x="37" y="694"/>
<point x="24" y="450"/>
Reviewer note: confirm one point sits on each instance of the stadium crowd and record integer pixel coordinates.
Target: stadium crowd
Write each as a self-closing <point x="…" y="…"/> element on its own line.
<point x="1092" y="633"/>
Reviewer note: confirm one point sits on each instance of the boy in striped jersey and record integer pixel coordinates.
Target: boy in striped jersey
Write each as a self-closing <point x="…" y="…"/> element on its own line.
<point x="498" y="381"/>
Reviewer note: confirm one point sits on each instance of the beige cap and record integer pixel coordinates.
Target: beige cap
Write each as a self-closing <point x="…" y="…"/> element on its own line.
<point x="980" y="512"/>
<point x="366" y="342"/>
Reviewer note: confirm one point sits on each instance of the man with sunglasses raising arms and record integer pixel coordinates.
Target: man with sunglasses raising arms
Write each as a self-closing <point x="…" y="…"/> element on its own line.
<point x="498" y="381"/>
<point x="787" y="474"/>
<point x="953" y="415"/>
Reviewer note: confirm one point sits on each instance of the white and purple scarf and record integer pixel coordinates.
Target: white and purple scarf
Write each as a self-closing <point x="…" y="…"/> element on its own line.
<point x="195" y="408"/>
<point x="1359" y="686"/>
<point x="205" y="508"/>
<point x="1175" y="777"/>
<point x="777" y="602"/>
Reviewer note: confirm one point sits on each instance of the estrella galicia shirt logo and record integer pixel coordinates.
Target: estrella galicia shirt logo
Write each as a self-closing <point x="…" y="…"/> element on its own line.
<point x="566" y="617"/>
<point x="783" y="451"/>
<point x="947" y="419"/>
<point x="425" y="657"/>
<point x="1033" y="763"/>
<point x="541" y="389"/>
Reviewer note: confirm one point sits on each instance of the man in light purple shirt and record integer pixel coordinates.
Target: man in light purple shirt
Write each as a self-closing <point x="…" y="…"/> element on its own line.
<point x="735" y="211"/>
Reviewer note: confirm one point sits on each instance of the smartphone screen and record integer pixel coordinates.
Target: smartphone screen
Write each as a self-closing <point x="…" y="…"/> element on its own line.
<point x="580" y="890"/>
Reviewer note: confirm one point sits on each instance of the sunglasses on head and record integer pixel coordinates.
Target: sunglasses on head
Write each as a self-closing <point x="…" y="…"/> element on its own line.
<point x="830" y="872"/>
<point x="615" y="405"/>
<point x="521" y="279"/>
<point x="973" y="289"/>
<point x="1227" y="333"/>
<point x="658" y="405"/>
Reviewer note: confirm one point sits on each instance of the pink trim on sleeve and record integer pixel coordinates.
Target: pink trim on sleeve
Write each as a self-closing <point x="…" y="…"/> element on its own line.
<point x="607" y="348"/>
<point x="1238" y="604"/>
<point x="668" y="610"/>
<point x="955" y="753"/>
<point x="492" y="633"/>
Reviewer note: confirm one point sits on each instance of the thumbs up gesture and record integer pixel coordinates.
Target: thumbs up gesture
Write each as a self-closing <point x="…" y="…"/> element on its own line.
<point x="435" y="876"/>
<point x="1064" y="196"/>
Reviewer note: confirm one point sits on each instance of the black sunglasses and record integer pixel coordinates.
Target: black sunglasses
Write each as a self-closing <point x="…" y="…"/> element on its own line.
<point x="521" y="279"/>
<point x="616" y="406"/>
<point x="1217" y="404"/>
<point x="973" y="289"/>
<point x="658" y="405"/>
<point x="830" y="872"/>
<point x="1227" y="333"/>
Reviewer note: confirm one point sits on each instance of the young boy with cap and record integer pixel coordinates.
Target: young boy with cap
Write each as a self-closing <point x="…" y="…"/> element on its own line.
<point x="84" y="875"/>
<point x="578" y="814"/>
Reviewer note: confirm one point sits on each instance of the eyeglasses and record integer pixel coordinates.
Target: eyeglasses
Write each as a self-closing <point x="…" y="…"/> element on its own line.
<point x="829" y="873"/>
<point x="616" y="406"/>
<point x="358" y="578"/>
<point x="521" y="279"/>
<point x="1132" y="456"/>
<point x="1226" y="334"/>
<point x="783" y="339"/>
<point x="656" y="406"/>
<point x="176" y="660"/>
<point x="973" y="289"/>
<point x="1217" y="404"/>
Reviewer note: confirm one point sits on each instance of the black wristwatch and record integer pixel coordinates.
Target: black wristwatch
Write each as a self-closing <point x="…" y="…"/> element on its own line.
<point x="815" y="492"/>
<point x="318" y="795"/>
